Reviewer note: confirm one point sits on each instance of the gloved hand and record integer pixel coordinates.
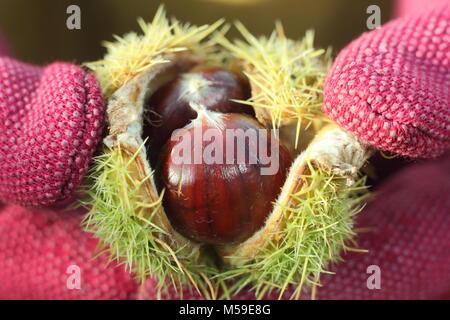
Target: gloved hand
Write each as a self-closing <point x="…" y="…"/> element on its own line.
<point x="51" y="120"/>
<point x="397" y="67"/>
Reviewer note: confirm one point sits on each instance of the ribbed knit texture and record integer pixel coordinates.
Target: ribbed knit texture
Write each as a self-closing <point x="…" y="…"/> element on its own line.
<point x="391" y="87"/>
<point x="39" y="248"/>
<point x="51" y="120"/>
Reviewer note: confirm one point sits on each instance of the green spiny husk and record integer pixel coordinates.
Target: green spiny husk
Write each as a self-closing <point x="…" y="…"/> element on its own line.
<point x="319" y="224"/>
<point x="289" y="77"/>
<point x="114" y="217"/>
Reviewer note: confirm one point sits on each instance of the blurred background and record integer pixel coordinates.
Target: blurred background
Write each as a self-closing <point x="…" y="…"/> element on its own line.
<point x="37" y="32"/>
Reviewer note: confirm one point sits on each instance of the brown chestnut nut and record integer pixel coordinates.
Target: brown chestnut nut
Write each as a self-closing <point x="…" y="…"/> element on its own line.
<point x="209" y="86"/>
<point x="221" y="175"/>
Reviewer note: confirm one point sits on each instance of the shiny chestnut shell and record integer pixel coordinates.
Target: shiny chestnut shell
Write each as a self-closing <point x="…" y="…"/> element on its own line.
<point x="220" y="203"/>
<point x="212" y="87"/>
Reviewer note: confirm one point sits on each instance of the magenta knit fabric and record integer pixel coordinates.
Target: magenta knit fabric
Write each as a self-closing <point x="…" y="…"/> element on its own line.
<point x="391" y="83"/>
<point x="39" y="248"/>
<point x="51" y="119"/>
<point x="408" y="7"/>
<point x="391" y="87"/>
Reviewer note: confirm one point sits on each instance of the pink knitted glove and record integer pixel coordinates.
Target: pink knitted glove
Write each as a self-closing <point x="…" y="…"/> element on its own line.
<point x="41" y="252"/>
<point x="51" y="119"/>
<point x="410" y="217"/>
<point x="391" y="87"/>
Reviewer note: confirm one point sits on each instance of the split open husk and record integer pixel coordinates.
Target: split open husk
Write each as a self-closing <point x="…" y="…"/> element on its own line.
<point x="286" y="77"/>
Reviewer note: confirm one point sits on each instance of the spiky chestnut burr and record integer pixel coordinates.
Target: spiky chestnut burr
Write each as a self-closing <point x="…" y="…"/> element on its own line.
<point x="220" y="194"/>
<point x="213" y="87"/>
<point x="313" y="215"/>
